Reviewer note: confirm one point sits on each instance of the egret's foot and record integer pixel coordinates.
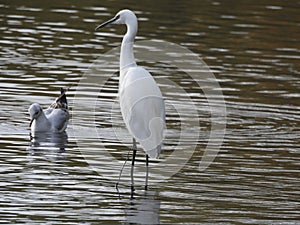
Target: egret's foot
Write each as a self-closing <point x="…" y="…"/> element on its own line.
<point x="132" y="191"/>
<point x="132" y="188"/>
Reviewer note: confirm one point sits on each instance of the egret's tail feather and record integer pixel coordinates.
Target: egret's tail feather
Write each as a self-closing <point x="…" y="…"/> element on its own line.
<point x="154" y="153"/>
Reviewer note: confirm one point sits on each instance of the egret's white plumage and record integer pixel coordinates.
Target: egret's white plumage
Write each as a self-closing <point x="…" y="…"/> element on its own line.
<point x="53" y="119"/>
<point x="142" y="109"/>
<point x="141" y="101"/>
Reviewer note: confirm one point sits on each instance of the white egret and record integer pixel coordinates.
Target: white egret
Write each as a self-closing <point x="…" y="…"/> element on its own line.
<point x="141" y="101"/>
<point x="53" y="119"/>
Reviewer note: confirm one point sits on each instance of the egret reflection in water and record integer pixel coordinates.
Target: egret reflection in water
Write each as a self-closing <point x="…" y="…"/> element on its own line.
<point x="144" y="209"/>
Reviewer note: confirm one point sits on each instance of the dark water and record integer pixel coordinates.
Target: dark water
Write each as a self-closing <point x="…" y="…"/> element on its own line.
<point x="251" y="47"/>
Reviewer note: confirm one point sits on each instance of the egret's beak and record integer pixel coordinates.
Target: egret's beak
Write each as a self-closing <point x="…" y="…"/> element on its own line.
<point x="31" y="120"/>
<point x="107" y="22"/>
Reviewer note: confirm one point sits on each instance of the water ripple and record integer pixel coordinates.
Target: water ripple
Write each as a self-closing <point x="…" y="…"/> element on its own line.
<point x="251" y="48"/>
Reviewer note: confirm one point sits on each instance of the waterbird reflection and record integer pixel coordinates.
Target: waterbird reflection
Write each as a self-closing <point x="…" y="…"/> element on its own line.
<point x="48" y="143"/>
<point x="143" y="209"/>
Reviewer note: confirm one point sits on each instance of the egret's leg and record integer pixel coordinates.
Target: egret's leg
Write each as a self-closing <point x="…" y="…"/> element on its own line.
<point x="132" y="163"/>
<point x="147" y="172"/>
<point x="117" y="184"/>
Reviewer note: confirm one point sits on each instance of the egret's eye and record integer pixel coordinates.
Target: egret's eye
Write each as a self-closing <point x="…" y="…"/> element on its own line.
<point x="117" y="17"/>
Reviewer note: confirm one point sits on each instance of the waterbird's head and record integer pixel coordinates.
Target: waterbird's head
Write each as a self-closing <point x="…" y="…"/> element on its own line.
<point x="125" y="16"/>
<point x="35" y="111"/>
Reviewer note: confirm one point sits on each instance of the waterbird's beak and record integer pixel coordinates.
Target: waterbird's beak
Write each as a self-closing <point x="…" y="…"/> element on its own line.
<point x="31" y="120"/>
<point x="107" y="22"/>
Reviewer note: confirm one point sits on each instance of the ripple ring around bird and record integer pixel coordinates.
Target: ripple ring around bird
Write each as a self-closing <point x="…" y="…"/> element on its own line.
<point x="96" y="119"/>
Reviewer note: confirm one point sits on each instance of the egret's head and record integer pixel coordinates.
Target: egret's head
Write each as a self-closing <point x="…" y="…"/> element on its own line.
<point x="35" y="111"/>
<point x="125" y="16"/>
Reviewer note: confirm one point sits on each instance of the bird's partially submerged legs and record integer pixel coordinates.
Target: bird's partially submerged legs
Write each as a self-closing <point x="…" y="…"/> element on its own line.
<point x="147" y="172"/>
<point x="134" y="149"/>
<point x="117" y="184"/>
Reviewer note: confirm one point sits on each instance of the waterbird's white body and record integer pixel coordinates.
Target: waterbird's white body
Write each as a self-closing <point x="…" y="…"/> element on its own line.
<point x="142" y="109"/>
<point x="141" y="101"/>
<point x="53" y="119"/>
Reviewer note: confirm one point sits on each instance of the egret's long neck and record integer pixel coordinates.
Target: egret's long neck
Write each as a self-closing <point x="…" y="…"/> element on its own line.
<point x="127" y="56"/>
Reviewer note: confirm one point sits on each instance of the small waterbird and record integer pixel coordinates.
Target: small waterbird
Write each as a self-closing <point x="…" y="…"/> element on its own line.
<point x="53" y="119"/>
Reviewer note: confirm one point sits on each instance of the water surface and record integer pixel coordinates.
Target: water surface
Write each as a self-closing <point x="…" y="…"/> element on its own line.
<point x="252" y="49"/>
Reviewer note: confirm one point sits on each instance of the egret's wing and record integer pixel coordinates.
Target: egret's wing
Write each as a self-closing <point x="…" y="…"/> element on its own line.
<point x="147" y="123"/>
<point x="144" y="116"/>
<point x="143" y="109"/>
